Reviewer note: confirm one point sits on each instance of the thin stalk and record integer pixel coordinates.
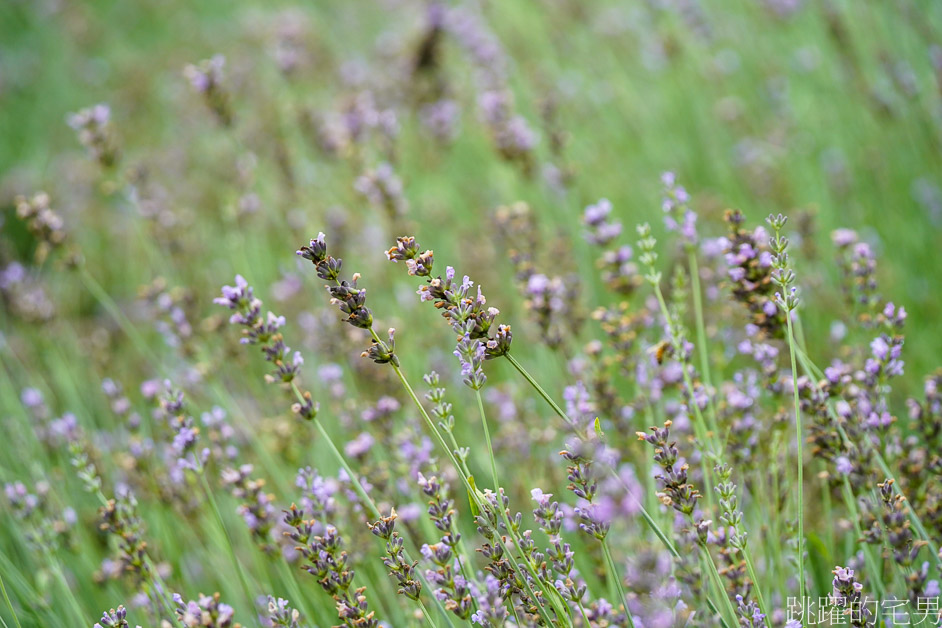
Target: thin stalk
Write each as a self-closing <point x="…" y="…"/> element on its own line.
<point x="701" y="327"/>
<point x="246" y="590"/>
<point x="703" y="430"/>
<point x="688" y="383"/>
<point x="719" y="615"/>
<point x="472" y="492"/>
<point x="875" y="568"/>
<point x="814" y="371"/>
<point x="497" y="488"/>
<point x="156" y="584"/>
<point x="425" y="614"/>
<point x="648" y="519"/>
<point x="487" y="439"/>
<point x="618" y="588"/>
<point x="60" y="576"/>
<point x="103" y="298"/>
<point x="800" y="437"/>
<point x="293" y="587"/>
<point x="6" y="598"/>
<point x="755" y="584"/>
<point x="718" y="582"/>
<point x="585" y="619"/>
<point x="361" y="492"/>
<point x="539" y="389"/>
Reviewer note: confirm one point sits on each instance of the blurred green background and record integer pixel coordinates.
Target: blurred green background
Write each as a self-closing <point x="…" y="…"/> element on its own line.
<point x="829" y="110"/>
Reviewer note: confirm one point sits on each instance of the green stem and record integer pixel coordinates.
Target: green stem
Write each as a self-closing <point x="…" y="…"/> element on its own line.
<point x="618" y="588"/>
<point x="688" y="383"/>
<point x="425" y="614"/>
<point x="875" y="568"/>
<point x="539" y="389"/>
<point x="487" y="440"/>
<point x="103" y="298"/>
<point x="60" y="576"/>
<point x="701" y="328"/>
<point x="718" y="582"/>
<point x="472" y="491"/>
<point x="357" y="486"/>
<point x="800" y="438"/>
<point x="648" y="519"/>
<point x="6" y="598"/>
<point x="291" y="582"/>
<point x="246" y="590"/>
<point x="755" y="583"/>
<point x="705" y="432"/>
<point x="812" y="370"/>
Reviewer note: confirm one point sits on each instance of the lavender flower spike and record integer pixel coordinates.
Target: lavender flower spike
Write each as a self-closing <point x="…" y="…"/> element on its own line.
<point x="114" y="619"/>
<point x="471" y="355"/>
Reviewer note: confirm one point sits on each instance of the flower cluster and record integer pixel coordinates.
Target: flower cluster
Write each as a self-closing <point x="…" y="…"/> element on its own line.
<point x="676" y="490"/>
<point x="584" y="484"/>
<point x="344" y="294"/>
<point x="395" y="560"/>
<point x="327" y="561"/>
<point x="678" y="215"/>
<point x="204" y="612"/>
<point x="264" y="332"/>
<point x="619" y="272"/>
<point x="280" y="614"/>
<point x="96" y="133"/>
<point x="846" y="594"/>
<point x="256" y="509"/>
<point x="749" y="270"/>
<point x="114" y="619"/>
<point x="464" y="310"/>
<point x="453" y="589"/>
<point x="206" y="78"/>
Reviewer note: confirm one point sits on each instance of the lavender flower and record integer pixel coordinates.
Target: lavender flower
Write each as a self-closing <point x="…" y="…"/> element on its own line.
<point x="264" y="332"/>
<point x="395" y="560"/>
<point x="327" y="561"/>
<point x="471" y="355"/>
<point x="678" y="215"/>
<point x="847" y="594"/>
<point x="677" y="492"/>
<point x="205" y="611"/>
<point x="45" y="225"/>
<point x="467" y="314"/>
<point x="601" y="231"/>
<point x="491" y="613"/>
<point x="114" y="619"/>
<point x="383" y="189"/>
<point x="281" y="614"/>
<point x="96" y="133"/>
<point x="206" y="78"/>
<point x="256" y="508"/>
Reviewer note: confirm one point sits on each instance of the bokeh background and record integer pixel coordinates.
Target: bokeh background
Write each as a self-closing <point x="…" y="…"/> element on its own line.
<point x="827" y="110"/>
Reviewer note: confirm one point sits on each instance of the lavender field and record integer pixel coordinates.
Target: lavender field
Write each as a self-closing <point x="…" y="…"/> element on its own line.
<point x="470" y="313"/>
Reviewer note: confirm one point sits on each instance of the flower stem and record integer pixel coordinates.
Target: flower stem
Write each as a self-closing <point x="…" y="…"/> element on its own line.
<point x="746" y="554"/>
<point x="487" y="439"/>
<point x="6" y="598"/>
<point x="472" y="492"/>
<point x="694" y="270"/>
<point x="814" y="371"/>
<point x="618" y="589"/>
<point x="246" y="590"/>
<point x="357" y="486"/>
<point x="799" y="432"/>
<point x="648" y="519"/>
